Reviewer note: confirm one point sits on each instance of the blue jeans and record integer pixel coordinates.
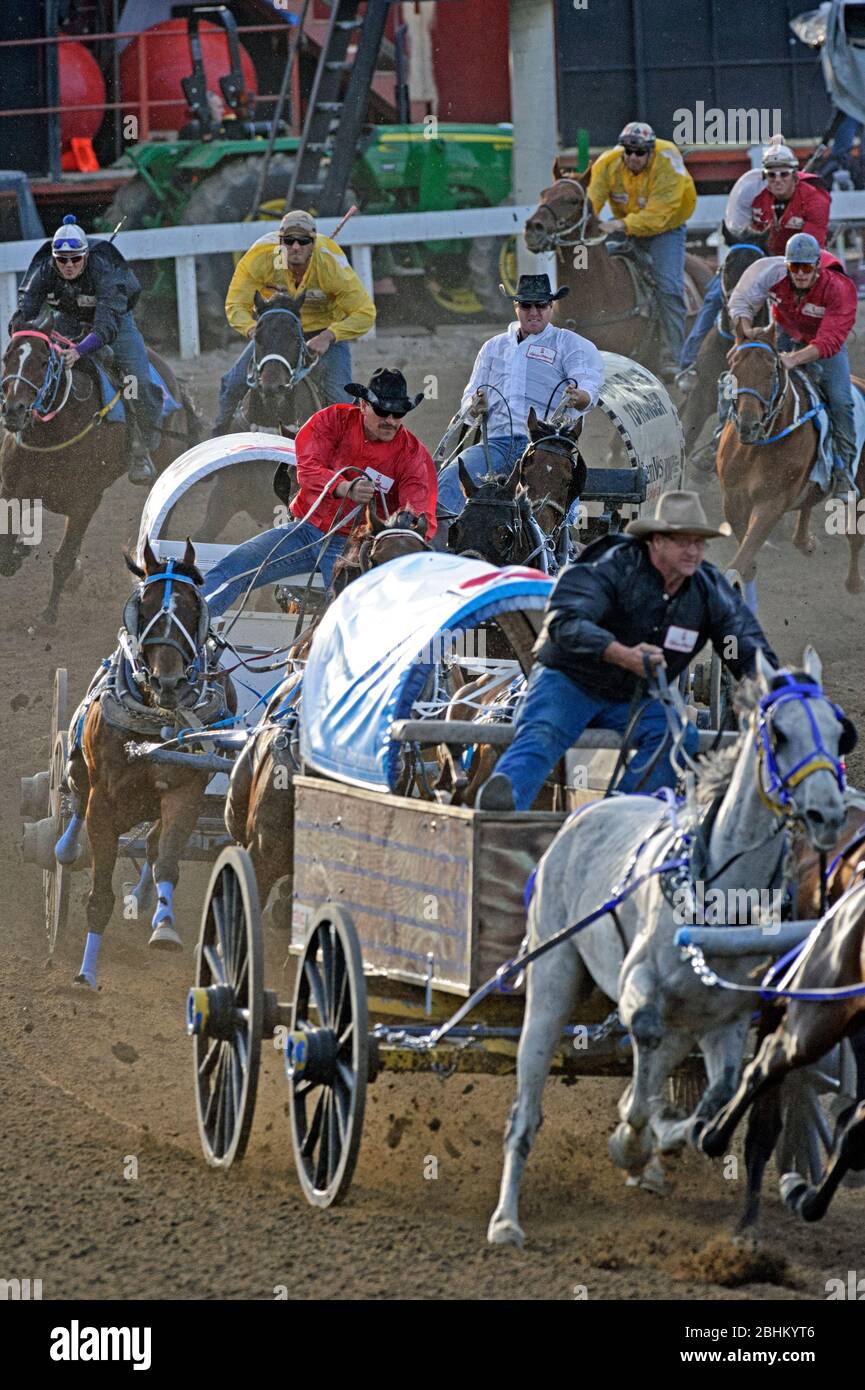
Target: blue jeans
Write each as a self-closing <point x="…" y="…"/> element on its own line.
<point x="504" y="451"/>
<point x="551" y="718"/>
<point x="130" y="355"/>
<point x="848" y="132"/>
<point x="330" y="377"/>
<point x="294" y="550"/>
<point x="831" y="376"/>
<point x="709" y="310"/>
<point x="667" y="253"/>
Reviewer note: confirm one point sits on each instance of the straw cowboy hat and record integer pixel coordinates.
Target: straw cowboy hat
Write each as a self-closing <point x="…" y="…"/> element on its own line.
<point x="677" y="513"/>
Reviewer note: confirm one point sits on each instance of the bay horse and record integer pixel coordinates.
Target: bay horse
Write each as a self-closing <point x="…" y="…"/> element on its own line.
<point x="161" y="676"/>
<point x="701" y="402"/>
<point x="259" y="810"/>
<point x="765" y="458"/>
<point x="281" y="397"/>
<point x="822" y="1002"/>
<point x="604" y="302"/>
<point x="60" y="450"/>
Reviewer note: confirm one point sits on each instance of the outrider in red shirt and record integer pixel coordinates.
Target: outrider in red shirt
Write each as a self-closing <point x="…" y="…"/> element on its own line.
<point x="401" y="467"/>
<point x="807" y="210"/>
<point x="822" y="315"/>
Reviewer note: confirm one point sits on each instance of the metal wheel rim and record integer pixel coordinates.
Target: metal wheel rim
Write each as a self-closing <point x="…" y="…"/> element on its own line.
<point x="508" y="264"/>
<point x="327" y="1120"/>
<point x="56" y="881"/>
<point x="229" y="952"/>
<point x="810" y="1100"/>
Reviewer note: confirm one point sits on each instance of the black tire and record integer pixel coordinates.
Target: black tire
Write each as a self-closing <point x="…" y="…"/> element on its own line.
<point x="226" y="196"/>
<point x="492" y="261"/>
<point x="327" y="1058"/>
<point x="226" y="1009"/>
<point x="137" y="206"/>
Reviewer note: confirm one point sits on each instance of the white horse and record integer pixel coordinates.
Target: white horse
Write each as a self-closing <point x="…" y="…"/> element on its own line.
<point x="784" y="767"/>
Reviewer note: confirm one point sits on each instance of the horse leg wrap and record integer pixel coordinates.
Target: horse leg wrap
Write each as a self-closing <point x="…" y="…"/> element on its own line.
<point x="87" y="973"/>
<point x="144" y="888"/>
<point x="68" y="847"/>
<point x="164" y="936"/>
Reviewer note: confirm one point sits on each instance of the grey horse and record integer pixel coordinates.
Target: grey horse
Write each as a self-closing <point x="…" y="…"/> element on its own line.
<point x="633" y="958"/>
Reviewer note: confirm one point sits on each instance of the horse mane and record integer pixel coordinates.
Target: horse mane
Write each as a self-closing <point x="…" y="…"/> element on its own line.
<point x="716" y="769"/>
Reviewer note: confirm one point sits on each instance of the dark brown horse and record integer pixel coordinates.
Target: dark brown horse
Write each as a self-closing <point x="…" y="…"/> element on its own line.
<point x="59" y="452"/>
<point x="761" y="481"/>
<point x="161" y="676"/>
<point x="259" y="812"/>
<point x="604" y="302"/>
<point x="281" y="397"/>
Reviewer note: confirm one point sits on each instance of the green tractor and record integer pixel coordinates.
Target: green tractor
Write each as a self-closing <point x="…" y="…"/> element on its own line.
<point x="401" y="168"/>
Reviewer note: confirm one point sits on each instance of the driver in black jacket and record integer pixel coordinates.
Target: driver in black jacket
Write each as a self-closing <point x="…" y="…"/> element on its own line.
<point x="92" y="292"/>
<point x="648" y="593"/>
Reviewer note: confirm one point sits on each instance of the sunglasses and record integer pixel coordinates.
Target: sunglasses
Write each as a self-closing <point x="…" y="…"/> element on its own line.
<point x="68" y="260"/>
<point x="297" y="240"/>
<point x="779" y="174"/>
<point x="801" y="266"/>
<point x="387" y="414"/>
<point x="533" y="304"/>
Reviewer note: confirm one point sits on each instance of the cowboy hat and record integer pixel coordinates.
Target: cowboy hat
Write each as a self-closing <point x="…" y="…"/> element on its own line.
<point x="535" y="289"/>
<point x="676" y="513"/>
<point x="387" y="389"/>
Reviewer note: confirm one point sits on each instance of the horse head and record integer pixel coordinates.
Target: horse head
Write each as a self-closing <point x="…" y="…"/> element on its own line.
<point x="737" y="262"/>
<point x="496" y="522"/>
<point x="801" y="738"/>
<point x="33" y="373"/>
<point x="552" y="470"/>
<point x="564" y="216"/>
<point x="167" y="621"/>
<point x="378" y="540"/>
<point x="278" y="346"/>
<point x="755" y="384"/>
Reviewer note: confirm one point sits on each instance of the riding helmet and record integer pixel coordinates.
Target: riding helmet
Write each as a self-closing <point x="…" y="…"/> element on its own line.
<point x="637" y="137"/>
<point x="69" y="238"/>
<point x="802" y="248"/>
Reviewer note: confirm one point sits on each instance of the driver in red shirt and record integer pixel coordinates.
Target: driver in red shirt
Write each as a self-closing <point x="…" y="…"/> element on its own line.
<point x="347" y="455"/>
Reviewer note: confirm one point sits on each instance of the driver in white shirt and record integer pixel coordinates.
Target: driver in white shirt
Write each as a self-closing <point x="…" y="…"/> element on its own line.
<point x="532" y="364"/>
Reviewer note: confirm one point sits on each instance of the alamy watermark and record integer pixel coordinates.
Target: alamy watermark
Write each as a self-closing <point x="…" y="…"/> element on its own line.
<point x="697" y="906"/>
<point x="21" y="517"/>
<point x="735" y="126"/>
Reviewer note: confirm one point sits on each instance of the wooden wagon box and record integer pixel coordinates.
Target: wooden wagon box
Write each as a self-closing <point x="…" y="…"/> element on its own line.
<point x="435" y="892"/>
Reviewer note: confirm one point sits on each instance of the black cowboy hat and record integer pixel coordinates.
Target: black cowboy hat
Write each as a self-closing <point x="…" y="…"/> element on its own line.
<point x="388" y="390"/>
<point x="535" y="289"/>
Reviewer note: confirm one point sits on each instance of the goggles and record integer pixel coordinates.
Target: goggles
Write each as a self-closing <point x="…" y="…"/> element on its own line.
<point x="801" y="266"/>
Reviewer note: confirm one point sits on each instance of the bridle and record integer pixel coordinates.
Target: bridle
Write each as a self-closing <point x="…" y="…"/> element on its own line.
<point x="570" y="450"/>
<point x="772" y="406"/>
<point x="44" y="405"/>
<point x="296" y="372"/>
<point x="561" y="237"/>
<point x="519" y="508"/>
<point x="774" y="787"/>
<point x="134" y="642"/>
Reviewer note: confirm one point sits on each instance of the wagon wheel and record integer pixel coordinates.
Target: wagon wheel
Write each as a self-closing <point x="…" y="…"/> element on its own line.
<point x="56" y="881"/>
<point x="327" y="1058"/>
<point x="811" y="1100"/>
<point x="225" y="1009"/>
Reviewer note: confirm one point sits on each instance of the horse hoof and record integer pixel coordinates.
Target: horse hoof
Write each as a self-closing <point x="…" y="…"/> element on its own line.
<point x="165" y="938"/>
<point x="89" y="980"/>
<point x="503" y="1231"/>
<point x="630" y="1149"/>
<point x="652" y="1178"/>
<point x="709" y="1141"/>
<point x="793" y="1188"/>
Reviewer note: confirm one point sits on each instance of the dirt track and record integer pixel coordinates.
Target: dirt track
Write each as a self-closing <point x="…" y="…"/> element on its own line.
<point x="90" y="1083"/>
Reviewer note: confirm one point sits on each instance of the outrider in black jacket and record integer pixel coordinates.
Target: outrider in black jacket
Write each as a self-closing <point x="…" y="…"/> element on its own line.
<point x="614" y="593"/>
<point x="97" y="299"/>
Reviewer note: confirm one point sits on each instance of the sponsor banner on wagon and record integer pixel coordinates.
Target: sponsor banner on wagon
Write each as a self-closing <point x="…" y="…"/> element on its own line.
<point x="647" y="420"/>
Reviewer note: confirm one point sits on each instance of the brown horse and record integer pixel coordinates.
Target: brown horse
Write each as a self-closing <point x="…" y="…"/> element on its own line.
<point x="761" y="481"/>
<point x="59" y="451"/>
<point x="259" y="812"/>
<point x="604" y="302"/>
<point x="161" y="676"/>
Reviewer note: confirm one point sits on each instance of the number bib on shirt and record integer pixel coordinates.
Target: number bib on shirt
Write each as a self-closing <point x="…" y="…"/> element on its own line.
<point x="382" y="483"/>
<point x="545" y="354"/>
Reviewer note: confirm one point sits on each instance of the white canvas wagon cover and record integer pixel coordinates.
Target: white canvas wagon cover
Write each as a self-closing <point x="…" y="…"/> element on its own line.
<point x="377" y="644"/>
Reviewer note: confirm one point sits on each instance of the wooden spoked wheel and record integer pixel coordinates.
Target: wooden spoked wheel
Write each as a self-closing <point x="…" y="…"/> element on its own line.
<point x="225" y="1009"/>
<point x="327" y="1058"/>
<point x="56" y="881"/>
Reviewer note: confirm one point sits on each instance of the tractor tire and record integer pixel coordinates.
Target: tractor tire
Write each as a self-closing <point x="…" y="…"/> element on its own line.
<point x="225" y="196"/>
<point x="492" y="262"/>
<point x="135" y="205"/>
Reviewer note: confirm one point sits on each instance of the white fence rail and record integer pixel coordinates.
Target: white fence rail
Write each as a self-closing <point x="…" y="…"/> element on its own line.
<point x="183" y="244"/>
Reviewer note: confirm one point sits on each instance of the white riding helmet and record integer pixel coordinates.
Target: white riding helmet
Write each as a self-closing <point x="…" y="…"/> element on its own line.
<point x="777" y="155"/>
<point x="637" y="136"/>
<point x="69" y="239"/>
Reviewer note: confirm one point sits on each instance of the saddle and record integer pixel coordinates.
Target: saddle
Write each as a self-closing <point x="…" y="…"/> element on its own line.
<point x="639" y="265"/>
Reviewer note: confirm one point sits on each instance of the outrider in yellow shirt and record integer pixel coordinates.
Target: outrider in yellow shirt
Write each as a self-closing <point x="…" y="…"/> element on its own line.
<point x="335" y="297"/>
